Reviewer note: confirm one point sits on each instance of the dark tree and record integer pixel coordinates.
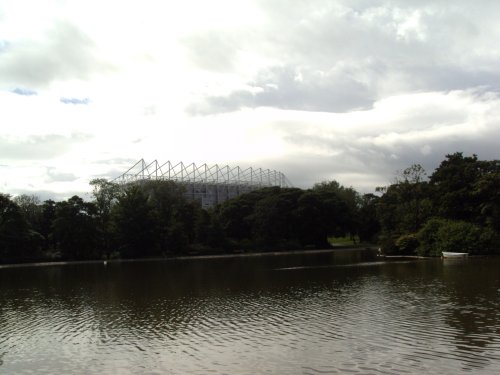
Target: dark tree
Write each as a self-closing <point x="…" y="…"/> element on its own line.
<point x="405" y="205"/>
<point x="236" y="215"/>
<point x="75" y="229"/>
<point x="351" y="200"/>
<point x="487" y="193"/>
<point x="105" y="194"/>
<point x="48" y="216"/>
<point x="321" y="214"/>
<point x="134" y="224"/>
<point x="30" y="208"/>
<point x="454" y="183"/>
<point x="17" y="241"/>
<point x="274" y="219"/>
<point x="368" y="224"/>
<point x="209" y="234"/>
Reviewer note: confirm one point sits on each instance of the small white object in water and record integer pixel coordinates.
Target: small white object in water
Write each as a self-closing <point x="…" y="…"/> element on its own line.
<point x="105" y="262"/>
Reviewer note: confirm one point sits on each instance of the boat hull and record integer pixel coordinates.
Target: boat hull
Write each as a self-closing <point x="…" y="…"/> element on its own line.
<point x="447" y="254"/>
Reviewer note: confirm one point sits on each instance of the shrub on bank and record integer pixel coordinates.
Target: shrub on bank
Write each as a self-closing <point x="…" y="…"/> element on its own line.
<point x="407" y="244"/>
<point x="388" y="244"/>
<point x="428" y="237"/>
<point x="440" y="235"/>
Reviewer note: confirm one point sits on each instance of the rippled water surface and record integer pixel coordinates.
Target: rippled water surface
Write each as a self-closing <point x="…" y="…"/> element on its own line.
<point x="330" y="313"/>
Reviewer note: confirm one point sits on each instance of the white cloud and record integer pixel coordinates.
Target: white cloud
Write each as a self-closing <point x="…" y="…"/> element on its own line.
<point x="351" y="90"/>
<point x="63" y="52"/>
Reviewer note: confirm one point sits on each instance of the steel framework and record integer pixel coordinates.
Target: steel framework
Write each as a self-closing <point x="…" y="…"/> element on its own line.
<point x="208" y="184"/>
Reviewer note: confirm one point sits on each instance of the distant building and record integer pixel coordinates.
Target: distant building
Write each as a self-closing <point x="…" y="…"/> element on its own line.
<point x="209" y="185"/>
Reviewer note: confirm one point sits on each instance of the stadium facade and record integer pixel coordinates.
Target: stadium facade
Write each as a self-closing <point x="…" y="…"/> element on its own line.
<point x="207" y="184"/>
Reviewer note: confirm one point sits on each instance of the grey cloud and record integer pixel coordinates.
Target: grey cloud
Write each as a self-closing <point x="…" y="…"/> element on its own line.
<point x="65" y="52"/>
<point x="55" y="176"/>
<point x="293" y="88"/>
<point x="23" y="91"/>
<point x="343" y="156"/>
<point x="365" y="168"/>
<point x="370" y="155"/>
<point x="38" y="146"/>
<point x="446" y="78"/>
<point x="305" y="170"/>
<point x="84" y="101"/>
<point x="365" y="50"/>
<point x="453" y="42"/>
<point x="484" y="146"/>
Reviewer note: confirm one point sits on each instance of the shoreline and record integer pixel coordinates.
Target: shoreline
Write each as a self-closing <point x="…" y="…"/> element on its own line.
<point x="189" y="257"/>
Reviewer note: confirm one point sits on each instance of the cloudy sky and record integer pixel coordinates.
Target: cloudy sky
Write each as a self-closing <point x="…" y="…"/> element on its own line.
<point x="351" y="90"/>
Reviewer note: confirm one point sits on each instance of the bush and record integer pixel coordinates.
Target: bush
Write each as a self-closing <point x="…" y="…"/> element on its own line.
<point x="428" y="237"/>
<point x="388" y="244"/>
<point x="488" y="241"/>
<point x="407" y="244"/>
<point x="458" y="236"/>
<point x="440" y="235"/>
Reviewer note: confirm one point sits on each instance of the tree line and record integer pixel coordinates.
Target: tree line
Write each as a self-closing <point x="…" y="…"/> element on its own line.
<point x="456" y="209"/>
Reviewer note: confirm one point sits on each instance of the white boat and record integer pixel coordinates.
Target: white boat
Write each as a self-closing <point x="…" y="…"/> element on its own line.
<point x="447" y="254"/>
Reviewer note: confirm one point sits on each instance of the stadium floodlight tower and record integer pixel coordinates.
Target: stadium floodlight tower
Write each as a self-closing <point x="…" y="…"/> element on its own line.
<point x="208" y="184"/>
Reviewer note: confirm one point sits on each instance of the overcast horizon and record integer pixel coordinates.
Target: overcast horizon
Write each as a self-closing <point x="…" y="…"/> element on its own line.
<point x="341" y="90"/>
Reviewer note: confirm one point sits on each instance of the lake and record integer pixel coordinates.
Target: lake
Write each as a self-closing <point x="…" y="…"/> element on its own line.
<point x="342" y="312"/>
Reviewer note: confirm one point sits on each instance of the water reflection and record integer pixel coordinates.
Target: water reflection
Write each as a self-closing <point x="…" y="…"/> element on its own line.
<point x="469" y="310"/>
<point x="322" y="313"/>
